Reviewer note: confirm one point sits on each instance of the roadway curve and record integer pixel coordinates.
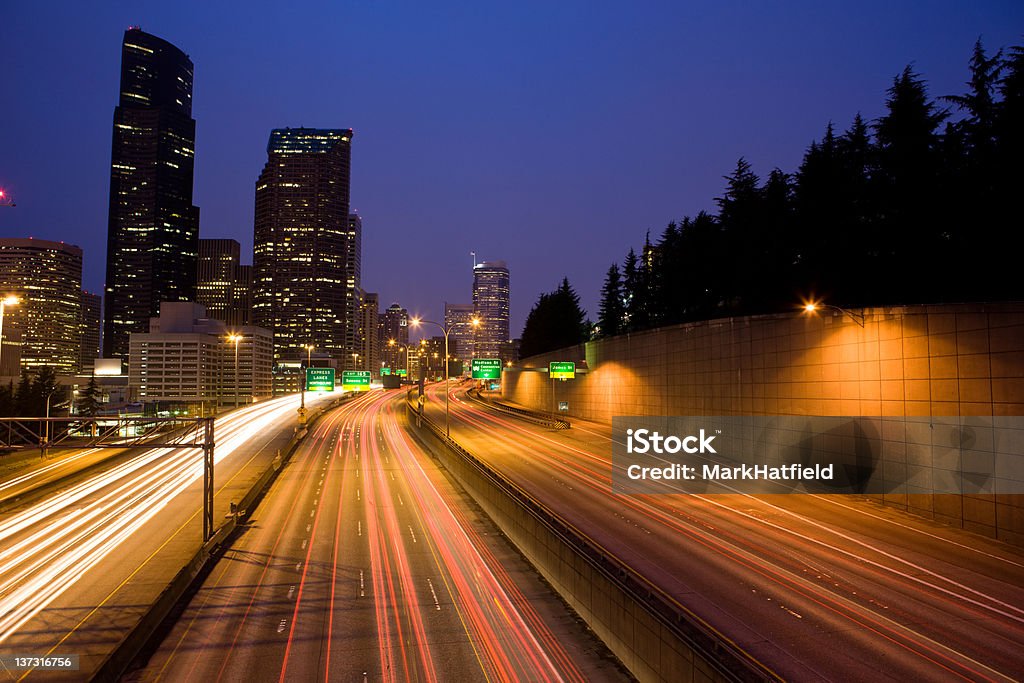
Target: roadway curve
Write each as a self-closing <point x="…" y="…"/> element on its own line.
<point x="362" y="563"/>
<point x="815" y="587"/>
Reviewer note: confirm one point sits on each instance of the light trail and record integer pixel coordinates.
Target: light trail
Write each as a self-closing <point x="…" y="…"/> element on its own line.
<point x="48" y="547"/>
<point x="740" y="537"/>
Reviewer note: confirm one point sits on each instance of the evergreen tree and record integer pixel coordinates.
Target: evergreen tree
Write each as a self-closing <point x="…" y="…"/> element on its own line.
<point x="555" y="321"/>
<point x="610" y="319"/>
<point x="89" y="402"/>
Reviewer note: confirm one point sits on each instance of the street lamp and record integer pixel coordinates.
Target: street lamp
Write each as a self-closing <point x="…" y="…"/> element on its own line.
<point x="416" y="322"/>
<point x="9" y="300"/>
<point x="813" y="306"/>
<point x="235" y="338"/>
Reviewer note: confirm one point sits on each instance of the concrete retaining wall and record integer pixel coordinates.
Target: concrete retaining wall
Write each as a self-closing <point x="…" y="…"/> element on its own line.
<point x="653" y="636"/>
<point x="904" y="361"/>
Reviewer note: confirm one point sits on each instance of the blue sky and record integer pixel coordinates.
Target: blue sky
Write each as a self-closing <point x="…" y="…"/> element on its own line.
<point x="550" y="135"/>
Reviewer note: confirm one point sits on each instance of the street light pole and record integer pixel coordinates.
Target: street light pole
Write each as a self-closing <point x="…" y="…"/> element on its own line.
<point x="4" y="303"/>
<point x="416" y="323"/>
<point x="236" y="338"/>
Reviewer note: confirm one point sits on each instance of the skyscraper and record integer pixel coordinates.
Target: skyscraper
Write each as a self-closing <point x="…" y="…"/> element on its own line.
<point x="368" y="333"/>
<point x="394" y="336"/>
<point x="89" y="330"/>
<point x="216" y="275"/>
<point x="459" y="319"/>
<point x="490" y="305"/>
<point x="353" y="248"/>
<point x="47" y="279"/>
<point x="302" y="242"/>
<point x="153" y="227"/>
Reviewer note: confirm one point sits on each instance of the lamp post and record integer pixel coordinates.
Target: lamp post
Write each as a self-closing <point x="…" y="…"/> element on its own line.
<point x="235" y="338"/>
<point x="9" y="300"/>
<point x="416" y="322"/>
<point x="813" y="306"/>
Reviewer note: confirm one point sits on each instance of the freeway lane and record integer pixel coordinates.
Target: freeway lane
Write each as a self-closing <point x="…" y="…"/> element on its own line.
<point x="816" y="587"/>
<point x="79" y="567"/>
<point x="364" y="563"/>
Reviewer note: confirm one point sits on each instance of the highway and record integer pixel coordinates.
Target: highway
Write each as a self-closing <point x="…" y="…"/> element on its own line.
<point x="78" y="566"/>
<point x="815" y="587"/>
<point x="364" y="563"/>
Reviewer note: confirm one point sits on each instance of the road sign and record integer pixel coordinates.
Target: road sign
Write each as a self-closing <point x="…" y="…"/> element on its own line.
<point x="562" y="370"/>
<point x="402" y="372"/>
<point x="319" y="379"/>
<point x="385" y="371"/>
<point x="355" y="380"/>
<point x="563" y="406"/>
<point x="486" y="368"/>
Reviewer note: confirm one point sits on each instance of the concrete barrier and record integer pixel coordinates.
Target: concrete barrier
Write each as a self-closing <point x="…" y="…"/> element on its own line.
<point x="545" y="419"/>
<point x="655" y="637"/>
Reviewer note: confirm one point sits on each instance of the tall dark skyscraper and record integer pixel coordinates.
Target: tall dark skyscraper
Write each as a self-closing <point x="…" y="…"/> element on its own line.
<point x="303" y="249"/>
<point x="153" y="228"/>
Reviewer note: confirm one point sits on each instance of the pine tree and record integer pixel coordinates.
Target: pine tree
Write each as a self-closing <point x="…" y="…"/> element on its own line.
<point x="556" y="321"/>
<point x="89" y="401"/>
<point x="611" y="316"/>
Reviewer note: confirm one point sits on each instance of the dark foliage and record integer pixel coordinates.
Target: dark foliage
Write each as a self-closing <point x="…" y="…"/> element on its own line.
<point x="919" y="206"/>
<point x="556" y="321"/>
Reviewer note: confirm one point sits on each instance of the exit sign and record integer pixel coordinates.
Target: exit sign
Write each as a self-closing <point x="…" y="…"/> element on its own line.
<point x="486" y="368"/>
<point x="355" y="380"/>
<point x="562" y="370"/>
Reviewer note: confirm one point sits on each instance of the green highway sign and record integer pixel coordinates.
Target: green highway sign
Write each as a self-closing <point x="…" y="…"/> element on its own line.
<point x="385" y="371"/>
<point x="402" y="372"/>
<point x="355" y="380"/>
<point x="486" y="368"/>
<point x="562" y="370"/>
<point x="319" y="379"/>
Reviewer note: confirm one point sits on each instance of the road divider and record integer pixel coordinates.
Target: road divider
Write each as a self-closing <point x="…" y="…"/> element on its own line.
<point x="653" y="635"/>
<point x="545" y="419"/>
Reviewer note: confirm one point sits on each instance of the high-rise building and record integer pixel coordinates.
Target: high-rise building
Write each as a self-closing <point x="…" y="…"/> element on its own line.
<point x="89" y="331"/>
<point x="223" y="285"/>
<point x="353" y="248"/>
<point x="368" y="333"/>
<point x="216" y="275"/>
<point x="394" y="336"/>
<point x="153" y="228"/>
<point x="459" y="319"/>
<point x="47" y="279"/>
<point x="490" y="305"/>
<point x="241" y="303"/>
<point x="302" y="242"/>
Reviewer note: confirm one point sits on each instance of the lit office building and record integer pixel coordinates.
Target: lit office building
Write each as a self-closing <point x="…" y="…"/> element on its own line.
<point x="223" y="285"/>
<point x="490" y="305"/>
<point x="369" y="310"/>
<point x="459" y="319"/>
<point x="153" y="228"/>
<point x="394" y="336"/>
<point x="303" y="246"/>
<point x="89" y="331"/>
<point x="353" y="247"/>
<point x="46" y="277"/>
<point x="187" y="360"/>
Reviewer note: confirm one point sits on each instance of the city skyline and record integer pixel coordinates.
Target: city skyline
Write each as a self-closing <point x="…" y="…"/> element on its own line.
<point x="744" y="82"/>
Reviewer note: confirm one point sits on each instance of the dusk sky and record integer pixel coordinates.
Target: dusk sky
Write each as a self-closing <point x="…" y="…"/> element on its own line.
<point x="551" y="135"/>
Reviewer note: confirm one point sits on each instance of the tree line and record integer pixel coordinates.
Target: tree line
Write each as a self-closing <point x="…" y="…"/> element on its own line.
<point x="919" y="206"/>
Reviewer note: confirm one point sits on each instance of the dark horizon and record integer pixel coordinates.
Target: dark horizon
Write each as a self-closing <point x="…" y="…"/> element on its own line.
<point x="527" y="134"/>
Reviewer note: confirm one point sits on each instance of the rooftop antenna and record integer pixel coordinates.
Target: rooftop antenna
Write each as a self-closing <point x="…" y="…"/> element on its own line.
<point x="473" y="254"/>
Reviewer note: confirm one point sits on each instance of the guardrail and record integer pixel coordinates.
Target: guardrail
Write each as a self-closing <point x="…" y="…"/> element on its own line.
<point x="726" y="658"/>
<point x="545" y="419"/>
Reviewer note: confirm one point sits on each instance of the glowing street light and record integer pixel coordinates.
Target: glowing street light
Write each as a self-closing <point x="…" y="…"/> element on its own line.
<point x="9" y="300"/>
<point x="235" y="338"/>
<point x="416" y="322"/>
<point x="302" y="378"/>
<point x="814" y="306"/>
